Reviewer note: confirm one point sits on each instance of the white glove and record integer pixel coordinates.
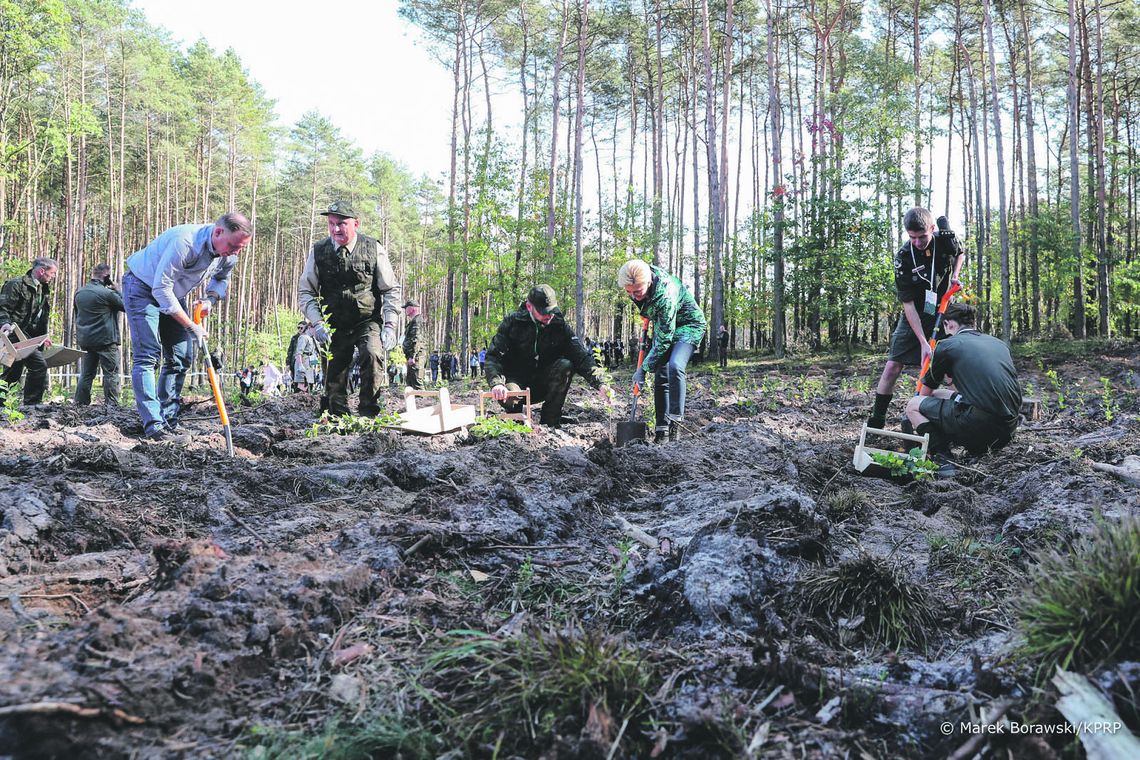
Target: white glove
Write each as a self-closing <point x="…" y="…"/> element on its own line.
<point x="388" y="337"/>
<point x="206" y="306"/>
<point x="321" y="333"/>
<point x="198" y="332"/>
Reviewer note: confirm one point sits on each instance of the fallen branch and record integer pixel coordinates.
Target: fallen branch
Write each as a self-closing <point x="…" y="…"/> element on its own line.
<point x="970" y="748"/>
<point x="637" y="534"/>
<point x="417" y="546"/>
<point x="72" y="597"/>
<point x="1129" y="471"/>
<point x="525" y="547"/>
<point x="245" y="526"/>
<point x="50" y="708"/>
<point x="1086" y="709"/>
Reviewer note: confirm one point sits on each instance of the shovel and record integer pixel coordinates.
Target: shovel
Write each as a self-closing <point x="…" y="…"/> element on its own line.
<point x="218" y="399"/>
<point x="630" y="431"/>
<point x="934" y="334"/>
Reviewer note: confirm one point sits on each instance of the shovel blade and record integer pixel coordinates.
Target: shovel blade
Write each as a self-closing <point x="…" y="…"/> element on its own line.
<point x="628" y="432"/>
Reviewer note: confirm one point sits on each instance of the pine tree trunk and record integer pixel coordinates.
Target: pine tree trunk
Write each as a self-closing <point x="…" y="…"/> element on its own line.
<point x="580" y="290"/>
<point x="1078" y="318"/>
<point x="1006" y="320"/>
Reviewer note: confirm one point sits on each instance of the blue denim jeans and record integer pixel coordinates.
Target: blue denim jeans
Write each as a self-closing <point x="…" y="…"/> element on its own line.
<point x="155" y="336"/>
<point x="669" y="384"/>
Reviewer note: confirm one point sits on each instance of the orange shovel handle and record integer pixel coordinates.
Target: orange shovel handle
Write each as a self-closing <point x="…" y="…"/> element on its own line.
<point x="954" y="288"/>
<point x="214" y="385"/>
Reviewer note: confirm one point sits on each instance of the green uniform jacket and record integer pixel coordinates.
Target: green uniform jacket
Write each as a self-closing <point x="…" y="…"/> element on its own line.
<point x="522" y="349"/>
<point x="97" y="308"/>
<point x="26" y="303"/>
<point x="674" y="314"/>
<point x="983" y="372"/>
<point x="412" y="338"/>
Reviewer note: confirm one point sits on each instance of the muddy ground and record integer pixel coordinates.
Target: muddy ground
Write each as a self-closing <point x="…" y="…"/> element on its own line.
<point x="536" y="595"/>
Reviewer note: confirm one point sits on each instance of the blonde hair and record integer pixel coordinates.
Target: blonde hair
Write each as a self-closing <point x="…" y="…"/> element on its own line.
<point x="634" y="272"/>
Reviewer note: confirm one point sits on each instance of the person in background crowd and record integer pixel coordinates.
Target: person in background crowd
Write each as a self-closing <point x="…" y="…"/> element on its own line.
<point x="271" y="379"/>
<point x="434" y="363"/>
<point x="413" y="346"/>
<point x="245" y="385"/>
<point x="97" y="308"/>
<point x="722" y="342"/>
<point x="306" y="359"/>
<point x="291" y="354"/>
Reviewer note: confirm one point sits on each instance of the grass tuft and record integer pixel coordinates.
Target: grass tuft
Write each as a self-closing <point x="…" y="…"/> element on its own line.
<point x="523" y="692"/>
<point x="847" y="504"/>
<point x="371" y="737"/>
<point x="893" y="610"/>
<point x="1081" y="608"/>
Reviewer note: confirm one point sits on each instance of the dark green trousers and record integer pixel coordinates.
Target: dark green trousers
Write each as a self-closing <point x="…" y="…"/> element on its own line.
<point x="107" y="359"/>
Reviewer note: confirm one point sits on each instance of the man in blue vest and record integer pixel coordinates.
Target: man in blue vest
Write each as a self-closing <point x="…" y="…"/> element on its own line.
<point x="348" y="277"/>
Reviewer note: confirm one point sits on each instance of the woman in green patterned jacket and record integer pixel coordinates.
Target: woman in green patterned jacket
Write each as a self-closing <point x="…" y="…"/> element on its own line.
<point x="678" y="328"/>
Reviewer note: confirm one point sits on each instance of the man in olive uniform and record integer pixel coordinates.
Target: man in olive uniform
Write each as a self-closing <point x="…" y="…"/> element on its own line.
<point x="982" y="410"/>
<point x="25" y="302"/>
<point x="413" y="346"/>
<point x="97" y="307"/>
<point x="535" y="348"/>
<point x="925" y="266"/>
<point x="349" y="276"/>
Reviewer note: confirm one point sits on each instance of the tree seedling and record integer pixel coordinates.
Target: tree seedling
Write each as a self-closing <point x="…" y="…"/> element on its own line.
<point x="10" y="402"/>
<point x="351" y="425"/>
<point x="494" y="427"/>
<point x="913" y="464"/>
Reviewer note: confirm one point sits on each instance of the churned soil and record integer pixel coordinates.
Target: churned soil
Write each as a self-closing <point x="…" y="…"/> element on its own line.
<point x="169" y="601"/>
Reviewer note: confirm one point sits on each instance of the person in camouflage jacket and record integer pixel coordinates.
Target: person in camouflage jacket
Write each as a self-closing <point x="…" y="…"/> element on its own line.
<point x="678" y="327"/>
<point x="534" y="348"/>
<point x="25" y="302"/>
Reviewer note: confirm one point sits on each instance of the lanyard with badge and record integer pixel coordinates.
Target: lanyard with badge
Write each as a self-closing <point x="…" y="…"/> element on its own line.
<point x="930" y="306"/>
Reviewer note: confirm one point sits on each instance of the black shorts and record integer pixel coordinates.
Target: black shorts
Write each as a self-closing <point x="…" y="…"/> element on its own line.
<point x="967" y="425"/>
<point x="905" y="347"/>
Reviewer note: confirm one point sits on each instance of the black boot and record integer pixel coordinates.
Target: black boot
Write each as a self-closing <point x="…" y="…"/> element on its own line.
<point x="939" y="450"/>
<point x="878" y="418"/>
<point x="660" y="434"/>
<point x="674" y="431"/>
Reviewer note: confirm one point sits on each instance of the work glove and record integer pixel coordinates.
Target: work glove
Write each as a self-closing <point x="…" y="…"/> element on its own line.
<point x="639" y="377"/>
<point x="322" y="334"/>
<point x="206" y="305"/>
<point x="388" y="337"/>
<point x="198" y="332"/>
